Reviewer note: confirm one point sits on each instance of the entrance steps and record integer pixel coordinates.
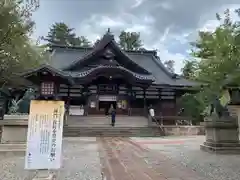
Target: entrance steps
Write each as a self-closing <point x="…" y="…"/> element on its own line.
<point x="112" y="131"/>
<point x="126" y="126"/>
<point x="105" y="121"/>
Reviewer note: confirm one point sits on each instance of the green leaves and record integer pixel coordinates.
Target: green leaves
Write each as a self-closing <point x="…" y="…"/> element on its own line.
<point x="218" y="51"/>
<point x="61" y="34"/>
<point x="215" y="58"/>
<point x="17" y="51"/>
<point x="170" y="65"/>
<point x="130" y="40"/>
<point x="193" y="105"/>
<point x="189" y="70"/>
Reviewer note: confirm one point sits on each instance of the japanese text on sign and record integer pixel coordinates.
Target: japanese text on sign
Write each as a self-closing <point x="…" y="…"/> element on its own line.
<point x="44" y="140"/>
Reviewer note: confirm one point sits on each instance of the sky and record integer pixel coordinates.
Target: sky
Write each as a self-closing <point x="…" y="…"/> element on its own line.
<point x="165" y="25"/>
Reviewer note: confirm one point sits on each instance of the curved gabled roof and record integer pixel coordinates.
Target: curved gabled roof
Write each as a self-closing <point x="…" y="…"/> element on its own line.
<point x="94" y="70"/>
<point x="64" y="58"/>
<point x="107" y="40"/>
<point x="48" y="68"/>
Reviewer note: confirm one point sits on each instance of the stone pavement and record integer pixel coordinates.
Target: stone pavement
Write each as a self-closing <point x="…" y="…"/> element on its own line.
<point x="80" y="162"/>
<point x="126" y="160"/>
<point x="185" y="151"/>
<point x="170" y="158"/>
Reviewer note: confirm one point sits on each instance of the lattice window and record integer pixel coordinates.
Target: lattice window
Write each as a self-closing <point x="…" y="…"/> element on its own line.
<point x="47" y="88"/>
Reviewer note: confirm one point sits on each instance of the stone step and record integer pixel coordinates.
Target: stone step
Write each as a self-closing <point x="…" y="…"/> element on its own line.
<point x="90" y="121"/>
<point x="13" y="148"/>
<point x="112" y="131"/>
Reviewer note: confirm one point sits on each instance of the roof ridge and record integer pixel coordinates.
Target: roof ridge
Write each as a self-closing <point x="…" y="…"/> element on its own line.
<point x="107" y="39"/>
<point x="91" y="48"/>
<point x="69" y="47"/>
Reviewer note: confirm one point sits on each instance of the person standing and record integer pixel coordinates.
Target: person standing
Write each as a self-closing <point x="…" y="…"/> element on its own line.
<point x="151" y="111"/>
<point x="112" y="112"/>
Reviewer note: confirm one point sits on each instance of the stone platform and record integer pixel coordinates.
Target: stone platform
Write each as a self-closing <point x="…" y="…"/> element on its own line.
<point x="221" y="148"/>
<point x="127" y="126"/>
<point x="14" y="134"/>
<point x="14" y="131"/>
<point x="222" y="136"/>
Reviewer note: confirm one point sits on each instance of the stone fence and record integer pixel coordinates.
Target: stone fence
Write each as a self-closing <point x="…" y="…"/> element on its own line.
<point x="183" y="130"/>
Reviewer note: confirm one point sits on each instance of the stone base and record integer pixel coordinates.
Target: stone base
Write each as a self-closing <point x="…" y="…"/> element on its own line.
<point x="221" y="148"/>
<point x="50" y="177"/>
<point x="222" y="136"/>
<point x="14" y="134"/>
<point x="13" y="149"/>
<point x="44" y="175"/>
<point x="14" y="131"/>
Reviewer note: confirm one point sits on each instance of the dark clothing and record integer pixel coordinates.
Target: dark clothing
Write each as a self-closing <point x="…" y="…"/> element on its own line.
<point x="113" y="116"/>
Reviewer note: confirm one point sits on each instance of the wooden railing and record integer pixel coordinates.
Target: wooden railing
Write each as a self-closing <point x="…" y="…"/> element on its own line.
<point x="174" y="120"/>
<point x="158" y="124"/>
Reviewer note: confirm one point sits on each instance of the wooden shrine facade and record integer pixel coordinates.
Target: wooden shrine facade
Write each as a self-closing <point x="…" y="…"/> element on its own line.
<point x="98" y="77"/>
<point x="127" y="99"/>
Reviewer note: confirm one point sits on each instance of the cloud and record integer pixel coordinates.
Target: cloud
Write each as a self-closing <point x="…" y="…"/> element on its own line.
<point x="165" y="5"/>
<point x="137" y="3"/>
<point x="166" y="25"/>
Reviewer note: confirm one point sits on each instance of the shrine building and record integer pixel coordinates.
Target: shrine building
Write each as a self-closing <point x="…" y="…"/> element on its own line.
<point x="96" y="78"/>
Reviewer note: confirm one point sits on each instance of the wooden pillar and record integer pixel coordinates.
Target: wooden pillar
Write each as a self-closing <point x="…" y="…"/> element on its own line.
<point x="86" y="89"/>
<point x="68" y="99"/>
<point x="67" y="106"/>
<point x="144" y="102"/>
<point x="160" y="110"/>
<point x="129" y="91"/>
<point x="55" y="90"/>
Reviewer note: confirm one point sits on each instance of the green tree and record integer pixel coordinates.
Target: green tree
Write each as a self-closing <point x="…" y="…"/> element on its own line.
<point x="189" y="69"/>
<point x="61" y="34"/>
<point x="218" y="52"/>
<point x="17" y="52"/>
<point x="130" y="40"/>
<point x="194" y="106"/>
<point x="169" y="64"/>
<point x="82" y="42"/>
<point x="217" y="58"/>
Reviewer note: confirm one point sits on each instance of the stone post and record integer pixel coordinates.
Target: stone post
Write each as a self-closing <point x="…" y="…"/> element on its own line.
<point x="234" y="111"/>
<point x="221" y="135"/>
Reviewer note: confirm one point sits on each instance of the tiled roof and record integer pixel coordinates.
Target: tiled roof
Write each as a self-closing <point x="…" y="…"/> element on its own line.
<point x="80" y="74"/>
<point x="62" y="57"/>
<point x="45" y="67"/>
<point x="65" y="59"/>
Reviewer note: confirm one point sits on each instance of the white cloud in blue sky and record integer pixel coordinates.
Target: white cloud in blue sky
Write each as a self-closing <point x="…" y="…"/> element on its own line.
<point x="165" y="25"/>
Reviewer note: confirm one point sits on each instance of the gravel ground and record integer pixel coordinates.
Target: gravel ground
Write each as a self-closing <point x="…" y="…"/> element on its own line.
<point x="80" y="161"/>
<point x="211" y="166"/>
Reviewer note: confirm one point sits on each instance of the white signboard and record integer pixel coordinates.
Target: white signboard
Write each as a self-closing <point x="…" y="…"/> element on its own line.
<point x="107" y="98"/>
<point x="44" y="139"/>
